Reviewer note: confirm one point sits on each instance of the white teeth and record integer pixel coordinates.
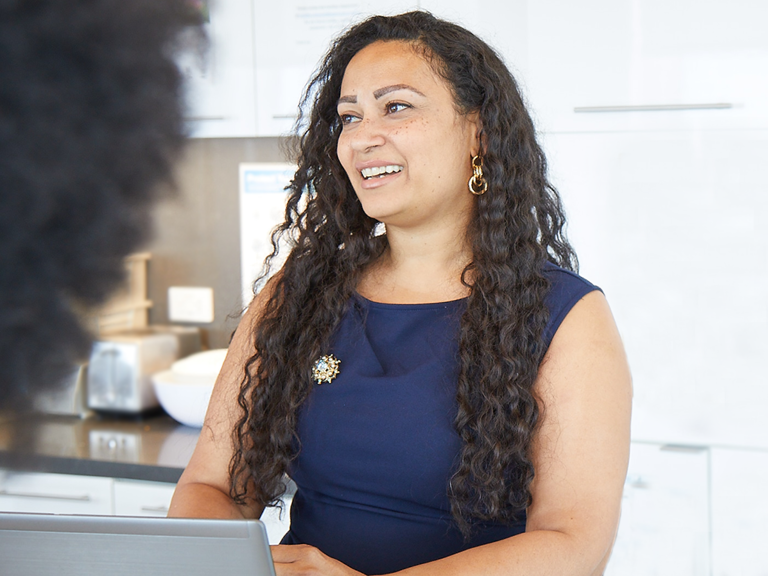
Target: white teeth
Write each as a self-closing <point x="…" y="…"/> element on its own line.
<point x="380" y="170"/>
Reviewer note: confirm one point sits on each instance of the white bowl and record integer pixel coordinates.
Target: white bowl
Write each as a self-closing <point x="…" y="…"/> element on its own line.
<point x="185" y="390"/>
<point x="204" y="364"/>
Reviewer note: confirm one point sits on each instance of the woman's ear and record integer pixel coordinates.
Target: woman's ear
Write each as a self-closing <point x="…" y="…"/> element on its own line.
<point x="482" y="142"/>
<point x="479" y="143"/>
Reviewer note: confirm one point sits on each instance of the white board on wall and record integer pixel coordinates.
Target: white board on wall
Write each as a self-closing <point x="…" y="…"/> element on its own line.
<point x="262" y="208"/>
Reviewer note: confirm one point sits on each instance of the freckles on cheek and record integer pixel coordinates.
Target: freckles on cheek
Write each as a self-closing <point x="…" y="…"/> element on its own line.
<point x="411" y="125"/>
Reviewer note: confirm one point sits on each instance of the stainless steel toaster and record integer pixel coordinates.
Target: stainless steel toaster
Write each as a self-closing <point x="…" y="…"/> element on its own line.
<point x="121" y="366"/>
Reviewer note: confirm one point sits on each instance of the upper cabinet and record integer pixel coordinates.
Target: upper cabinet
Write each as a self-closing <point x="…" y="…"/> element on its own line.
<point x="220" y="80"/>
<point x="593" y="65"/>
<point x="501" y="23"/>
<point x="291" y="38"/>
<point x="599" y="65"/>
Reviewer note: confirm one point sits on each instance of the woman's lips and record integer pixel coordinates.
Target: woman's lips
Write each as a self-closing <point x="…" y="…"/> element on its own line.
<point x="378" y="171"/>
<point x="377" y="181"/>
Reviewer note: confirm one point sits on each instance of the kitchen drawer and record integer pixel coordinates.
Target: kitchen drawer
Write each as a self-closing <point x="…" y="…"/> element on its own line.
<point x="54" y="493"/>
<point x="139" y="498"/>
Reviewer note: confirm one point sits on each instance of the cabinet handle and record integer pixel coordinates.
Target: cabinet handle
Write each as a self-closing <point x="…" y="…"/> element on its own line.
<point x="203" y="118"/>
<point x="84" y="498"/>
<point x="160" y="509"/>
<point x="653" y="107"/>
<point x="684" y="448"/>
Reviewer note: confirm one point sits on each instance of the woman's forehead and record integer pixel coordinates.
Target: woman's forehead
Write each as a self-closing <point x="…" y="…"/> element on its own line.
<point x="389" y="63"/>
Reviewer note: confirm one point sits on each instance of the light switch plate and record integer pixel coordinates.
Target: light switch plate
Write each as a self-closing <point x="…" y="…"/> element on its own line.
<point x="190" y="304"/>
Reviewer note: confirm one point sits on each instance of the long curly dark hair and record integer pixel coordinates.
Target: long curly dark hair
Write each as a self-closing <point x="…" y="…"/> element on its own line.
<point x="91" y="121"/>
<point x="517" y="227"/>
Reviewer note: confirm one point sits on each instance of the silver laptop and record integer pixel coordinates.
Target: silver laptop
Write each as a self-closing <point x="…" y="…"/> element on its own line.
<point x="48" y="544"/>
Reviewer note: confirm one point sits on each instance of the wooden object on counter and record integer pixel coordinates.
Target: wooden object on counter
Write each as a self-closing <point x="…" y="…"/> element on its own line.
<point x="128" y="308"/>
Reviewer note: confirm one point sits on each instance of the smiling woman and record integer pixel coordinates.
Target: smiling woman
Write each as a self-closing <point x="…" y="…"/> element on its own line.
<point x="477" y="421"/>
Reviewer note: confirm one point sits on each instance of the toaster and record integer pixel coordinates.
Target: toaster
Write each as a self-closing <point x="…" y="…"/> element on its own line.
<point x="120" y="368"/>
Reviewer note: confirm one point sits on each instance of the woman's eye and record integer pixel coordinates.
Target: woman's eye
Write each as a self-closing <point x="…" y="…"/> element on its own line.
<point x="393" y="107"/>
<point x="348" y="118"/>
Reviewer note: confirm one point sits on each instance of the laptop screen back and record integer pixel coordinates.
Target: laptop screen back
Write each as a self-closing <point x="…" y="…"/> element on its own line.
<point x="48" y="544"/>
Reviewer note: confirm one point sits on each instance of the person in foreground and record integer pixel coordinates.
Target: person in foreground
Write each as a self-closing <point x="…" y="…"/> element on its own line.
<point x="91" y="122"/>
<point x="448" y="395"/>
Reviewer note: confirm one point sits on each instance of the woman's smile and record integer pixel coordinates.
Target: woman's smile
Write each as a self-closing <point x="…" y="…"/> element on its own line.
<point x="376" y="174"/>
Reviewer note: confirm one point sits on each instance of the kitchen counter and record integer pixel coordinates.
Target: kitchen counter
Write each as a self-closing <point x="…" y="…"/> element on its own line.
<point x="153" y="448"/>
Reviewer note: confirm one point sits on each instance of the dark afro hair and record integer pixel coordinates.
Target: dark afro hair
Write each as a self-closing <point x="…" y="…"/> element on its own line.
<point x="91" y="121"/>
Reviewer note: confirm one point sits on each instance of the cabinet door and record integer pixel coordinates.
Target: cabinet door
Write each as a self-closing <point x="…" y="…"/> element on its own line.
<point x="708" y="59"/>
<point x="291" y="38"/>
<point x="220" y="81"/>
<point x="664" y="528"/>
<point x="139" y="498"/>
<point x="739" y="512"/>
<point x="55" y="493"/>
<point x="671" y="226"/>
<point x="502" y="24"/>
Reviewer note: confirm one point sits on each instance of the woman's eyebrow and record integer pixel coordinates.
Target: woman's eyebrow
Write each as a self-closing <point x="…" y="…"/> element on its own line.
<point x="380" y="92"/>
<point x="387" y="89"/>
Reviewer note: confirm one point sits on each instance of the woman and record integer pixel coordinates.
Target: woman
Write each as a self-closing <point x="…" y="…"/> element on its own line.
<point x="448" y="396"/>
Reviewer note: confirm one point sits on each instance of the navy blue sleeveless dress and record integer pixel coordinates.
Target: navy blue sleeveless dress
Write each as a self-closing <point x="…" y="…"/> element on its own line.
<point x="378" y="444"/>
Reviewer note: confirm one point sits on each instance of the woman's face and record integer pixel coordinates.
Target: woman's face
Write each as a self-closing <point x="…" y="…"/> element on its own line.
<point x="403" y="144"/>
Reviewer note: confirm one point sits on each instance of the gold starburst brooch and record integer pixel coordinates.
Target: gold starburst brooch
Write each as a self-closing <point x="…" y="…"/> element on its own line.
<point x="326" y="368"/>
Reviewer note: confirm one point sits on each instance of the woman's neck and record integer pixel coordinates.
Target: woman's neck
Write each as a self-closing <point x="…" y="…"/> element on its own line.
<point x="418" y="266"/>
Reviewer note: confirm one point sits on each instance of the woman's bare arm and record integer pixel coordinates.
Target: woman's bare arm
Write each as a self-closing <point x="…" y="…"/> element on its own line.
<point x="203" y="490"/>
<point x="580" y="457"/>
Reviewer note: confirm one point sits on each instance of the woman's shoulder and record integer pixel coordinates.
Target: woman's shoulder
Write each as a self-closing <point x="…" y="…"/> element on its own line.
<point x="566" y="289"/>
<point x="564" y="279"/>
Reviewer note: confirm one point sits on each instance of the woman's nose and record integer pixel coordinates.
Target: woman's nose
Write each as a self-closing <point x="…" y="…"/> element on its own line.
<point x="369" y="133"/>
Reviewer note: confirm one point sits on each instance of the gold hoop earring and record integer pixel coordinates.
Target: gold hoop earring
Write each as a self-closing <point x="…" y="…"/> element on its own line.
<point x="477" y="183"/>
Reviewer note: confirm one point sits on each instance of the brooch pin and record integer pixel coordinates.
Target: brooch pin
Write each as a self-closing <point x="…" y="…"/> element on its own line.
<point x="326" y="368"/>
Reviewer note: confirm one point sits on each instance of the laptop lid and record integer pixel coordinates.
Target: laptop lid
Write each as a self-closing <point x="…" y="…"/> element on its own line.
<point x="48" y="544"/>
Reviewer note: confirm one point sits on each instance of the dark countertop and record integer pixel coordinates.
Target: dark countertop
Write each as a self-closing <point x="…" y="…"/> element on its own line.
<point x="154" y="448"/>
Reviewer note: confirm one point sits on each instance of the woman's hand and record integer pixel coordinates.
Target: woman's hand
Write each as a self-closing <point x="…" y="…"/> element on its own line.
<point x="304" y="560"/>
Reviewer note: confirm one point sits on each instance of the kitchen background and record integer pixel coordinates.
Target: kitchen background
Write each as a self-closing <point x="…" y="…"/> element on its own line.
<point x="654" y="115"/>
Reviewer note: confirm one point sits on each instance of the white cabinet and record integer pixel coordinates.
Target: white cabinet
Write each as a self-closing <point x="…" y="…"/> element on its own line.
<point x="501" y="23"/>
<point x="54" y="493"/>
<point x="140" y="498"/>
<point x="739" y="512"/>
<point x="291" y="38"/>
<point x="670" y="225"/>
<point x="593" y="65"/>
<point x="664" y="528"/>
<point x="617" y="65"/>
<point x="220" y="85"/>
<point x="74" y="494"/>
<point x="585" y="58"/>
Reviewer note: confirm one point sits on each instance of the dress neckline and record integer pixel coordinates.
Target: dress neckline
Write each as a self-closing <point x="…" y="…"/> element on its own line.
<point x="412" y="306"/>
